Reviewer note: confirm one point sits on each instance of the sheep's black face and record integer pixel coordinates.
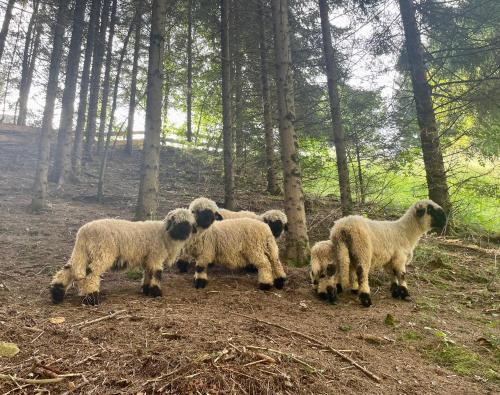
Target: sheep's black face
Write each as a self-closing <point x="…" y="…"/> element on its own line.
<point x="438" y="217"/>
<point x="180" y="231"/>
<point x="204" y="218"/>
<point x="277" y="227"/>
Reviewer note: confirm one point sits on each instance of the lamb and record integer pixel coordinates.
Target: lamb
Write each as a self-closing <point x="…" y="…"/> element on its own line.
<point x="361" y="245"/>
<point x="235" y="243"/>
<point x="276" y="219"/>
<point x="116" y="244"/>
<point x="323" y="270"/>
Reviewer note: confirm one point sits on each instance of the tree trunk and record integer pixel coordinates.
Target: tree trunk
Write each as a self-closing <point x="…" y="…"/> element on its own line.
<point x="297" y="242"/>
<point x="433" y="157"/>
<point x="5" y="25"/>
<point x="84" y="89"/>
<point x="272" y="181"/>
<point x="39" y="199"/>
<point x="105" y="83"/>
<point x="104" y="159"/>
<point x="147" y="203"/>
<point x="237" y="60"/>
<point x="31" y="45"/>
<point x="95" y="81"/>
<point x="61" y="170"/>
<point x="338" y="131"/>
<point x="226" y="108"/>
<point x="133" y="83"/>
<point x="360" y="171"/>
<point x="189" y="96"/>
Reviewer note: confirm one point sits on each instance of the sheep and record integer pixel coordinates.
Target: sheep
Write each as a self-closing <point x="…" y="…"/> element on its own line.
<point x="361" y="245"/>
<point x="116" y="244"/>
<point x="276" y="219"/>
<point x="205" y="212"/>
<point x="235" y="243"/>
<point x="322" y="271"/>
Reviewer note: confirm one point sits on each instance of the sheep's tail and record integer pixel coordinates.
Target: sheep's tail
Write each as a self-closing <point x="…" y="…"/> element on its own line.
<point x="75" y="269"/>
<point x="273" y="255"/>
<point x="344" y="256"/>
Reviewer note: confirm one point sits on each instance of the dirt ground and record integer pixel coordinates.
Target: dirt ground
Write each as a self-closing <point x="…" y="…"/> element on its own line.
<point x="445" y="340"/>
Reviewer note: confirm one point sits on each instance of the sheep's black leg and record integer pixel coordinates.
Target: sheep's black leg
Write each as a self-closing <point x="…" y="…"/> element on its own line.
<point x="364" y="287"/>
<point x="146" y="282"/>
<point x="200" y="276"/>
<point x="182" y="265"/>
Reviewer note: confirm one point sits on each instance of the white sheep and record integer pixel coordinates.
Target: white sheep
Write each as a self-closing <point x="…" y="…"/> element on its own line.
<point x="276" y="219"/>
<point x="116" y="244"/>
<point x="361" y="245"/>
<point x="322" y="271"/>
<point x="236" y="243"/>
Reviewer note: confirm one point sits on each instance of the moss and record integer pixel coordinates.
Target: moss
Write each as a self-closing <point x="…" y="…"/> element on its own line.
<point x="457" y="358"/>
<point x="134" y="275"/>
<point x="412" y="336"/>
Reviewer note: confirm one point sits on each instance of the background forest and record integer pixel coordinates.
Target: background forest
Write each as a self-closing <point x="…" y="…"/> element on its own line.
<point x="103" y="78"/>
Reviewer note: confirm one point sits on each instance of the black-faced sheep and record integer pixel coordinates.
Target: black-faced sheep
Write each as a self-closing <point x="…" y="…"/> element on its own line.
<point x="361" y="245"/>
<point x="205" y="212"/>
<point x="116" y="244"/>
<point x="323" y="269"/>
<point x="235" y="243"/>
<point x="276" y="219"/>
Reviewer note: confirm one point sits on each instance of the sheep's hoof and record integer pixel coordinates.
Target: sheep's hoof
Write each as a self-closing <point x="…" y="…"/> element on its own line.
<point x="323" y="295"/>
<point x="182" y="266"/>
<point x="146" y="289"/>
<point x="365" y="299"/>
<point x="91" y="299"/>
<point x="403" y="293"/>
<point x="354" y="291"/>
<point x="200" y="283"/>
<point x="339" y="288"/>
<point x="265" y="287"/>
<point x="57" y="291"/>
<point x="155" y="291"/>
<point x="395" y="291"/>
<point x="279" y="282"/>
<point x="332" y="296"/>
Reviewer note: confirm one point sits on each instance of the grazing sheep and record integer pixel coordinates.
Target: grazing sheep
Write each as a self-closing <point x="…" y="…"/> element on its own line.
<point x="235" y="243"/>
<point x="361" y="245"/>
<point x="205" y="212"/>
<point x="323" y="270"/>
<point x="116" y="244"/>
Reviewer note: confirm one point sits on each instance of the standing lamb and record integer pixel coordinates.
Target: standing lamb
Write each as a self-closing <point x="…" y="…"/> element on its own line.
<point x="361" y="245"/>
<point x="235" y="243"/>
<point x="205" y="212"/>
<point x="116" y="244"/>
<point x="323" y="270"/>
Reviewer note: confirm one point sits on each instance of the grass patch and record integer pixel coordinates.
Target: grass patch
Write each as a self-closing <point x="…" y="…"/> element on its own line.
<point x="134" y="275"/>
<point x="457" y="358"/>
<point x="411" y="336"/>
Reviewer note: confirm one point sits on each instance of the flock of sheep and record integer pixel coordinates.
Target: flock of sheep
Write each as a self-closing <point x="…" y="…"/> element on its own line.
<point x="206" y="234"/>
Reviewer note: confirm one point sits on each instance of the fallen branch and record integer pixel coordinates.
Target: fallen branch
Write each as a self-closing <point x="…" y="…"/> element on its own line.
<point x="107" y="317"/>
<point x="285" y="354"/>
<point x="15" y="379"/>
<point x="318" y="342"/>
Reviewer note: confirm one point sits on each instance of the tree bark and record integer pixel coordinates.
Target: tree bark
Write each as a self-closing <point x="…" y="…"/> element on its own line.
<point x="272" y="182"/>
<point x="95" y="81"/>
<point x="39" y="198"/>
<point x="226" y="108"/>
<point x="84" y="89"/>
<point x="105" y="83"/>
<point x="338" y="130"/>
<point x="5" y="25"/>
<point x="62" y="171"/>
<point x="297" y="242"/>
<point x="104" y="159"/>
<point x="147" y="203"/>
<point x="133" y="83"/>
<point x="360" y="171"/>
<point x="429" y="136"/>
<point x="189" y="96"/>
<point x="31" y="46"/>
<point x="237" y="61"/>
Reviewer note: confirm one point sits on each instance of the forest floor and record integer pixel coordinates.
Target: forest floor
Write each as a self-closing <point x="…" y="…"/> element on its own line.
<point x="445" y="340"/>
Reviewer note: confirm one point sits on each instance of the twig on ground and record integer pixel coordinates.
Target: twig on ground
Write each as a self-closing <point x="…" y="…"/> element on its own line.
<point x="91" y="357"/>
<point x="36" y="338"/>
<point x="107" y="317"/>
<point x="16" y="379"/>
<point x="312" y="339"/>
<point x="285" y="354"/>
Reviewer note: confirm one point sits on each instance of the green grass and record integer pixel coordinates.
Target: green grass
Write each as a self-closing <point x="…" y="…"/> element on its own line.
<point x="457" y="358"/>
<point x="134" y="275"/>
<point x="412" y="335"/>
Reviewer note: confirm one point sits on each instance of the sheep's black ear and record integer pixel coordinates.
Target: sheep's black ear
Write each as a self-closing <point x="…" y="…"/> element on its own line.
<point x="168" y="225"/>
<point x="218" y="217"/>
<point x="420" y="212"/>
<point x="286" y="227"/>
<point x="194" y="230"/>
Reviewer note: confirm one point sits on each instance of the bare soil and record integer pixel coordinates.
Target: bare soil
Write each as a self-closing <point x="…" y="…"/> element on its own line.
<point x="445" y="340"/>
